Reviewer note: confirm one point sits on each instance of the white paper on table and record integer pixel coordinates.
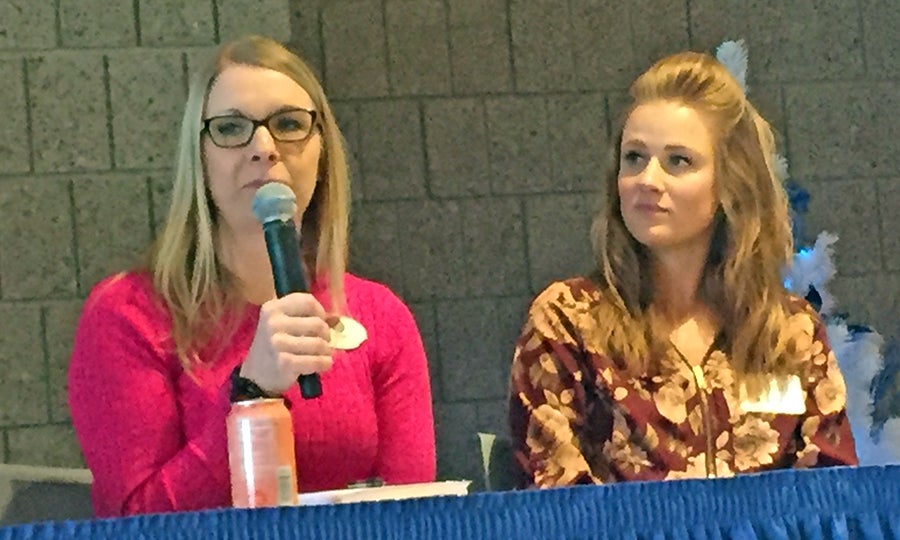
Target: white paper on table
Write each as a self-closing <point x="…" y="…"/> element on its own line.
<point x="455" y="488"/>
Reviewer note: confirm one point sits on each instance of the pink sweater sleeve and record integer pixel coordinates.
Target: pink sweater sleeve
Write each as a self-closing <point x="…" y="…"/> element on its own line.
<point x="406" y="452"/>
<point x="125" y="411"/>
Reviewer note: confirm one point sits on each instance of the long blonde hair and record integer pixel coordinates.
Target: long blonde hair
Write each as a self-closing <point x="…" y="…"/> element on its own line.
<point x="187" y="272"/>
<point x="751" y="241"/>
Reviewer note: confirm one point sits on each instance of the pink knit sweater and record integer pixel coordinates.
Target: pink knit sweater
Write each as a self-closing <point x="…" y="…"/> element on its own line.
<point x="154" y="437"/>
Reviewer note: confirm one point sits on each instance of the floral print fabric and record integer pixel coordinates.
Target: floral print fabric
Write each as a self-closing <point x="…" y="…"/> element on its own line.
<point x="577" y="416"/>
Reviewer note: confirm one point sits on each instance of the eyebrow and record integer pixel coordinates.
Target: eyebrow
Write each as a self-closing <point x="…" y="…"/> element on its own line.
<point x="668" y="147"/>
<point x="283" y="108"/>
<point x="679" y="147"/>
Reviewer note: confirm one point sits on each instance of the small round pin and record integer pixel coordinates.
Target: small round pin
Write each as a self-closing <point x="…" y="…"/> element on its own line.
<point x="347" y="334"/>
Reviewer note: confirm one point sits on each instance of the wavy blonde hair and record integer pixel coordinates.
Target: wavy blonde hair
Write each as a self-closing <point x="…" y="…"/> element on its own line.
<point x="187" y="271"/>
<point x="751" y="242"/>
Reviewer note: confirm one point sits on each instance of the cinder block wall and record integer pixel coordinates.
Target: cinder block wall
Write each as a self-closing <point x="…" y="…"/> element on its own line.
<point x="91" y="93"/>
<point x="478" y="130"/>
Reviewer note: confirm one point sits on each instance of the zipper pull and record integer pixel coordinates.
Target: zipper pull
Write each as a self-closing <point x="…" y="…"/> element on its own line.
<point x="698" y="375"/>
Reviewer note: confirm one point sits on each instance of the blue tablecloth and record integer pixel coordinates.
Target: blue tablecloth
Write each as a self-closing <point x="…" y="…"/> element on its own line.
<point x="827" y="503"/>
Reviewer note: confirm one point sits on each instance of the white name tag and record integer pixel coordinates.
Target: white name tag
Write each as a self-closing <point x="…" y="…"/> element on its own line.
<point x="347" y="334"/>
<point x="778" y="395"/>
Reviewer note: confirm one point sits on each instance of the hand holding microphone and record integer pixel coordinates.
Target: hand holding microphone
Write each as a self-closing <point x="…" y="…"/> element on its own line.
<point x="292" y="337"/>
<point x="290" y="346"/>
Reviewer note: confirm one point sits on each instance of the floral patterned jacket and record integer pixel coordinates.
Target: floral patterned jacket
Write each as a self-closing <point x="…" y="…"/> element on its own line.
<point x="577" y="417"/>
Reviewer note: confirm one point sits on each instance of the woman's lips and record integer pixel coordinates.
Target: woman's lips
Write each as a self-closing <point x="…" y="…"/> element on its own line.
<point x="260" y="182"/>
<point x="650" y="208"/>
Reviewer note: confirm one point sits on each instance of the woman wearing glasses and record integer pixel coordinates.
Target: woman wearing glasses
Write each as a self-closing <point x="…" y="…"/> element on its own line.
<point x="157" y="349"/>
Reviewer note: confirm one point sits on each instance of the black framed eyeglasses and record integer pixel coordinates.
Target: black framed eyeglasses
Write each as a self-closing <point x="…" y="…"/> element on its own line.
<point x="234" y="130"/>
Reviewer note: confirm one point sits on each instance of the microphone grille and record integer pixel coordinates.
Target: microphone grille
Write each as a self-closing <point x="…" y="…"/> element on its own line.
<point x="274" y="201"/>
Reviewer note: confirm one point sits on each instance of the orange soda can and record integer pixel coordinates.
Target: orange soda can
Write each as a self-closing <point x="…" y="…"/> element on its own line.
<point x="261" y="454"/>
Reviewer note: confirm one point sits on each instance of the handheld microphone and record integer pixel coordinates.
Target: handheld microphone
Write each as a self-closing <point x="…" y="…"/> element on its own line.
<point x="274" y="206"/>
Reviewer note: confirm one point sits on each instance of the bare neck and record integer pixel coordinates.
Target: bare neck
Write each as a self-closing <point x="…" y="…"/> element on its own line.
<point x="676" y="280"/>
<point x="244" y="255"/>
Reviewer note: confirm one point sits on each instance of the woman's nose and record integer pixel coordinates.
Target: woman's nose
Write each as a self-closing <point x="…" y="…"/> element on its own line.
<point x="652" y="176"/>
<point x="263" y="145"/>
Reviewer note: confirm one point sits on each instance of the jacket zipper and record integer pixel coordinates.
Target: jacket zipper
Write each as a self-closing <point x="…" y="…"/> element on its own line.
<point x="707" y="420"/>
<point x="700" y="380"/>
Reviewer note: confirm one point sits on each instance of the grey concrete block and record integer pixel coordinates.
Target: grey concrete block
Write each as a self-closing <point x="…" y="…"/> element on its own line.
<point x="53" y="446"/>
<point x="306" y="34"/>
<point x="578" y="141"/>
<point x="26" y="24"/>
<point x="850" y="210"/>
<point x="270" y="18"/>
<point x="841" y="130"/>
<point x="769" y="102"/>
<point x="197" y="58"/>
<point x="112" y="222"/>
<point x="457" y="426"/>
<point x="417" y="47"/>
<point x="36" y="220"/>
<point x="870" y="299"/>
<point x="457" y="149"/>
<point x="618" y="103"/>
<point x="518" y="135"/>
<point x="355" y="49"/>
<point x="391" y="150"/>
<point x="668" y="34"/>
<point x="14" y="150"/>
<point x="559" y="239"/>
<point x="889" y="210"/>
<point x="68" y="112"/>
<point x="433" y="252"/>
<point x="542" y="44"/>
<point x="480" y="54"/>
<point x="375" y="239"/>
<point x="880" y="20"/>
<point x="449" y="249"/>
<point x="147" y="92"/>
<point x="175" y="22"/>
<point x="788" y="41"/>
<point x="160" y="198"/>
<point x="477" y="338"/>
<point x="60" y="321"/>
<point x="494" y="236"/>
<point x="426" y="320"/>
<point x="97" y="23"/>
<point x="23" y="387"/>
<point x="347" y="114"/>
<point x="604" y="57"/>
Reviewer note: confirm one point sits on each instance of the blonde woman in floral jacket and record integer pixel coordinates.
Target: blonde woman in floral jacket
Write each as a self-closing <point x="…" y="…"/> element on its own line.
<point x="683" y="356"/>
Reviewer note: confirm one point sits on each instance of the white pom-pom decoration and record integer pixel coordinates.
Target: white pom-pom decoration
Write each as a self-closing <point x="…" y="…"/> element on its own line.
<point x="733" y="55"/>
